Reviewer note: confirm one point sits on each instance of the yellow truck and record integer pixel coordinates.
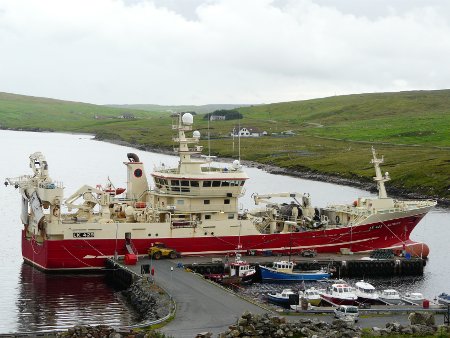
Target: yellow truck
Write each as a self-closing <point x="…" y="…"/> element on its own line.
<point x="158" y="250"/>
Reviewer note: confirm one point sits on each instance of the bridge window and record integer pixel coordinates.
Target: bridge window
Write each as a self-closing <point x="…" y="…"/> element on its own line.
<point x="206" y="202"/>
<point x="206" y="183"/>
<point x="185" y="183"/>
<point x="194" y="184"/>
<point x="226" y="201"/>
<point x="225" y="183"/>
<point x="207" y="216"/>
<point x="216" y="183"/>
<point x="175" y="182"/>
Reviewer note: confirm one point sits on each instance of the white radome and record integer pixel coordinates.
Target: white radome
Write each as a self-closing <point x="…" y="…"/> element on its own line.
<point x="196" y="134"/>
<point x="188" y="119"/>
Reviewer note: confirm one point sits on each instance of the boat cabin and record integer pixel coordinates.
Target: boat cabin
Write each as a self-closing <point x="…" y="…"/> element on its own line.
<point x="283" y="266"/>
<point x="341" y="289"/>
<point x="365" y="288"/>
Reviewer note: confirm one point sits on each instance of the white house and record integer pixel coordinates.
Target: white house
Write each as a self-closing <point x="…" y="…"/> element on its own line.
<point x="246" y="132"/>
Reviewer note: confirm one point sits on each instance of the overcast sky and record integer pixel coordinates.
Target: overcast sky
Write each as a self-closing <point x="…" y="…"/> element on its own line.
<point x="221" y="51"/>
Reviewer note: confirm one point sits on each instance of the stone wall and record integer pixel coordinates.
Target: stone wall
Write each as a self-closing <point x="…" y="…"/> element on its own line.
<point x="149" y="301"/>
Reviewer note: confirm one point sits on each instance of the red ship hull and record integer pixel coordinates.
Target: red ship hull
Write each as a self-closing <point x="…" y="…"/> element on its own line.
<point x="91" y="253"/>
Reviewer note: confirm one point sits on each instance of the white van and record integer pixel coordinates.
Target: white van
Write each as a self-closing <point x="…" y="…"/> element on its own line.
<point x="347" y="312"/>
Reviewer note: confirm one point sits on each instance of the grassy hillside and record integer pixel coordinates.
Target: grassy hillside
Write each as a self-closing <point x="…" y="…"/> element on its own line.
<point x="332" y="135"/>
<point x="27" y="112"/>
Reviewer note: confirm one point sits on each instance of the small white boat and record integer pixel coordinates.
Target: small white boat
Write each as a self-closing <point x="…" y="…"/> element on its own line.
<point x="390" y="296"/>
<point x="444" y="299"/>
<point x="366" y="293"/>
<point x="415" y="298"/>
<point x="312" y="295"/>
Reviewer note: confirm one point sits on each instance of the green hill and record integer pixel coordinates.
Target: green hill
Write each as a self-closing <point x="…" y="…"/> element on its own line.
<point x="37" y="113"/>
<point x="331" y="136"/>
<point x="417" y="117"/>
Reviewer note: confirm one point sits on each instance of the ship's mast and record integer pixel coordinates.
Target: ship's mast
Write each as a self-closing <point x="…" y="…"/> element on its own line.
<point x="379" y="178"/>
<point x="186" y="164"/>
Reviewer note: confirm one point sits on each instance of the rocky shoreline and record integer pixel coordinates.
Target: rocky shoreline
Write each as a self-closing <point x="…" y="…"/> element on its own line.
<point x="266" y="325"/>
<point x="305" y="174"/>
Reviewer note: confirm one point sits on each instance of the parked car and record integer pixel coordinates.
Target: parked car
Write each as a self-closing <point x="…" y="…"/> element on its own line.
<point x="308" y="253"/>
<point x="347" y="312"/>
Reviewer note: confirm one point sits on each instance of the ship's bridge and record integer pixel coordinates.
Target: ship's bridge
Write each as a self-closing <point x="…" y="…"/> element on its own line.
<point x="211" y="182"/>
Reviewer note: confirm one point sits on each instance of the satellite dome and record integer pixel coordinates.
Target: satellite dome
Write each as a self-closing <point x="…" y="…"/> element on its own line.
<point x="196" y="134"/>
<point x="187" y="119"/>
<point x="236" y="164"/>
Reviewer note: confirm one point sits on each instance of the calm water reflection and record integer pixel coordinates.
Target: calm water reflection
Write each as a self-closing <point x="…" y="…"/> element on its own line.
<point x="55" y="301"/>
<point x="33" y="300"/>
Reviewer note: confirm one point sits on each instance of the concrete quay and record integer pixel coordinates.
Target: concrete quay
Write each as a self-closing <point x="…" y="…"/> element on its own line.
<point x="201" y="304"/>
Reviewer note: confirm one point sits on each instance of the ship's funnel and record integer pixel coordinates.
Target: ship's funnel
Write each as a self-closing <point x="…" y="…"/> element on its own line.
<point x="137" y="184"/>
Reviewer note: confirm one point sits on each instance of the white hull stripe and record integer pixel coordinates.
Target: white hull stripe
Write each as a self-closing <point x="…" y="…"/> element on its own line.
<point x="279" y="248"/>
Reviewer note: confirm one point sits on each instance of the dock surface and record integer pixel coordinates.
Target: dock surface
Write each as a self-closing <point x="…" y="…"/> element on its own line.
<point x="201" y="305"/>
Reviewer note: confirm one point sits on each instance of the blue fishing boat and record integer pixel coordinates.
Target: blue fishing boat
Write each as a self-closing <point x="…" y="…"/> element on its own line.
<point x="283" y="271"/>
<point x="284" y="298"/>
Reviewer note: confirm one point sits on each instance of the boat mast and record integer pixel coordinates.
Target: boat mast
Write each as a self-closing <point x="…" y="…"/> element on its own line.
<point x="379" y="178"/>
<point x="186" y="164"/>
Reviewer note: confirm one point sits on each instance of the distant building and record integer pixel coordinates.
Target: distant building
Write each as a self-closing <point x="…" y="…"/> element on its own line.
<point x="247" y="132"/>
<point x="217" y="118"/>
<point x="126" y="116"/>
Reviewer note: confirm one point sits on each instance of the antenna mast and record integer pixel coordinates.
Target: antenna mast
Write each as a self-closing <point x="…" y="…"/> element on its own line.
<point x="379" y="178"/>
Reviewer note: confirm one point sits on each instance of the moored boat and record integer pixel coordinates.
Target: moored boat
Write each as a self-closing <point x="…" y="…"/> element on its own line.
<point x="312" y="295"/>
<point x="284" y="298"/>
<point x="444" y="299"/>
<point x="194" y="209"/>
<point x="239" y="272"/>
<point x="340" y="294"/>
<point x="390" y="297"/>
<point x="366" y="293"/>
<point x="415" y="298"/>
<point x="283" y="271"/>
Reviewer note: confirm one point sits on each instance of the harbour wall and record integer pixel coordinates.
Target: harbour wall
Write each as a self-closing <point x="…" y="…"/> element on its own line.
<point x="342" y="268"/>
<point x="151" y="302"/>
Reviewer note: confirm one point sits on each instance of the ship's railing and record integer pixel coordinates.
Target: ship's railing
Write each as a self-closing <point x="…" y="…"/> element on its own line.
<point x="186" y="139"/>
<point x="51" y="185"/>
<point x="20" y="180"/>
<point x="164" y="169"/>
<point x="407" y="205"/>
<point x="195" y="149"/>
<point x="415" y="204"/>
<point x="182" y="127"/>
<point x="348" y="209"/>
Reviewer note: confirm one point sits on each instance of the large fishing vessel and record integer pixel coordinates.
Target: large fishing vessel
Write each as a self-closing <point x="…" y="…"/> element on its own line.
<point x="193" y="208"/>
